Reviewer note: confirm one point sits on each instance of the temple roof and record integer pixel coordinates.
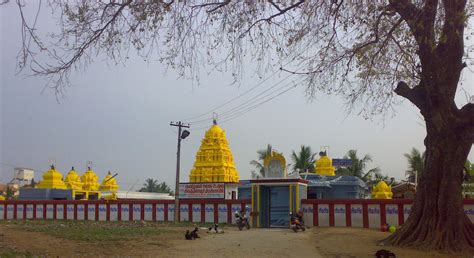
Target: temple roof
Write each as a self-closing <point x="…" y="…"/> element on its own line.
<point x="328" y="181"/>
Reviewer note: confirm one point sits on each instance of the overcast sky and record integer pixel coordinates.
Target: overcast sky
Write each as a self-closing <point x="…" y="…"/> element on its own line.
<point x="118" y="117"/>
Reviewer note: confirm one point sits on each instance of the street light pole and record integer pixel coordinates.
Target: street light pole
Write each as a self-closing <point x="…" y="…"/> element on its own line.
<point x="181" y="135"/>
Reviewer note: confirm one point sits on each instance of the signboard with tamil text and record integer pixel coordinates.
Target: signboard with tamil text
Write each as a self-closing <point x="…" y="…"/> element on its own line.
<point x="341" y="162"/>
<point x="202" y="190"/>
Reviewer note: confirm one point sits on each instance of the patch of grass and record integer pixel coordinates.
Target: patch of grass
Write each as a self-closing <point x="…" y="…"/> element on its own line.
<point x="102" y="231"/>
<point x="8" y="252"/>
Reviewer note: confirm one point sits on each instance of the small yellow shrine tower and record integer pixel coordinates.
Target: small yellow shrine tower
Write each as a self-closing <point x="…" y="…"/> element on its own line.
<point x="382" y="191"/>
<point x="109" y="183"/>
<point x="52" y="179"/>
<point x="214" y="160"/>
<point x="73" y="181"/>
<point x="324" y="165"/>
<point x="90" y="181"/>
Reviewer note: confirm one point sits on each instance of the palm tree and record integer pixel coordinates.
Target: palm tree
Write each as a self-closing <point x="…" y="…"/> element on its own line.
<point x="359" y="166"/>
<point x="152" y="186"/>
<point x="416" y="164"/>
<point x="259" y="162"/>
<point x="304" y="160"/>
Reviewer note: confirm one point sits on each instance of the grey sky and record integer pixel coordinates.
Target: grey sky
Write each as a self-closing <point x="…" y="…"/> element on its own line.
<point x="118" y="117"/>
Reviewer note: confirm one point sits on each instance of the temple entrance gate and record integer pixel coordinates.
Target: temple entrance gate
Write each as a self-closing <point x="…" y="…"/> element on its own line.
<point x="274" y="199"/>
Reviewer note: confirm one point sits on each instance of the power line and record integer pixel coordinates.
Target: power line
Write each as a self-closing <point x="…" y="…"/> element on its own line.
<point x="189" y="120"/>
<point x="248" y="109"/>
<point x="242" y="105"/>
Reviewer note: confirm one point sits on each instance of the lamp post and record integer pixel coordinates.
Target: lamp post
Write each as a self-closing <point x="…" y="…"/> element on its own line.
<point x="182" y="134"/>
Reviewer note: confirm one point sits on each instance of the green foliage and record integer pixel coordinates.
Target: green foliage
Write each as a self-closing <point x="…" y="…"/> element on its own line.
<point x="359" y="167"/>
<point x="152" y="186"/>
<point x="416" y="164"/>
<point x="304" y="160"/>
<point x="9" y="194"/>
<point x="258" y="164"/>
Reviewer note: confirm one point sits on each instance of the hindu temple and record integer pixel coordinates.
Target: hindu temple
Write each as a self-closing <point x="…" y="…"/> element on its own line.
<point x="52" y="179"/>
<point x="382" y="191"/>
<point x="109" y="183"/>
<point x="54" y="186"/>
<point x="214" y="161"/>
<point x="73" y="180"/>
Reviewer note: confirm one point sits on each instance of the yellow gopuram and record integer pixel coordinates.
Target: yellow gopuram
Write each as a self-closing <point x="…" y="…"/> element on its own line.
<point x="324" y="165"/>
<point x="382" y="191"/>
<point x="214" y="160"/>
<point x="109" y="183"/>
<point x="73" y="180"/>
<point x="52" y="179"/>
<point x="90" y="181"/>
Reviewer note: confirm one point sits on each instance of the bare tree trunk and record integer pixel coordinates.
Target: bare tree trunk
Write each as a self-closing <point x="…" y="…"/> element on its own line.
<point x="437" y="220"/>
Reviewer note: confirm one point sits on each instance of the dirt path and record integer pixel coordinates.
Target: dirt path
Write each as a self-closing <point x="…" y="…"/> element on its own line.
<point x="315" y="242"/>
<point x="252" y="243"/>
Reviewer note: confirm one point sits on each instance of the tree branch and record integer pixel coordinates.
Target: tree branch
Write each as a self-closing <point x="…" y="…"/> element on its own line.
<point x="416" y="95"/>
<point x="283" y="11"/>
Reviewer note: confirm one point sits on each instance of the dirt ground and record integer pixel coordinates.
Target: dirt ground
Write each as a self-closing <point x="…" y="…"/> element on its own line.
<point x="315" y="242"/>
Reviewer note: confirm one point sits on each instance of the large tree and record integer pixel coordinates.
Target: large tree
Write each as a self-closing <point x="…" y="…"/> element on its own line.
<point x="364" y="51"/>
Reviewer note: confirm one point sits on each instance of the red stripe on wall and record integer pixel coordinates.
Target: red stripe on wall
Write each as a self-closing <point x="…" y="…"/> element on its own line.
<point x="96" y="212"/>
<point x="190" y="212"/>
<point x="119" y="212"/>
<point x="401" y="214"/>
<point x="107" y="212"/>
<point x="216" y="213"/>
<point x="365" y="215"/>
<point x="229" y="213"/>
<point x="64" y="211"/>
<point x="142" y="211"/>
<point x="86" y="211"/>
<point x="54" y="211"/>
<point x="130" y="212"/>
<point x="348" y="216"/>
<point x="44" y="211"/>
<point x="75" y="211"/>
<point x="165" y="212"/>
<point x="14" y="211"/>
<point x="203" y="213"/>
<point x="24" y="211"/>
<point x="315" y="215"/>
<point x="331" y="215"/>
<point x="153" y="212"/>
<point x="34" y="211"/>
<point x="383" y="214"/>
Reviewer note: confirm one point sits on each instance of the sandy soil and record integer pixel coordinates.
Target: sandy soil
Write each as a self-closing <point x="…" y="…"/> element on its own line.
<point x="315" y="242"/>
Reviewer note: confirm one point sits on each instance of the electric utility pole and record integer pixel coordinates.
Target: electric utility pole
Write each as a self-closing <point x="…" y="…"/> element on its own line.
<point x="181" y="135"/>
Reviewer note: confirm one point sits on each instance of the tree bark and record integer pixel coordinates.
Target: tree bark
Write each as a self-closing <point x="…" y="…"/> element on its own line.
<point x="437" y="220"/>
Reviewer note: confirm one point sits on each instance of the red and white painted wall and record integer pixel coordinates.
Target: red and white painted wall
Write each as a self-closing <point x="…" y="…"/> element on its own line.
<point x="367" y="213"/>
<point x="201" y="211"/>
<point x="338" y="213"/>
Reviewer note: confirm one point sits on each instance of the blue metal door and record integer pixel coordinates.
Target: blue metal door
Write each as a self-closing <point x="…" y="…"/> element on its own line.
<point x="279" y="206"/>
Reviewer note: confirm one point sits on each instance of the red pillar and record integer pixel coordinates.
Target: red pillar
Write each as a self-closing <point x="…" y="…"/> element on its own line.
<point x="331" y="215"/>
<point x="348" y="216"/>
<point x="365" y="215"/>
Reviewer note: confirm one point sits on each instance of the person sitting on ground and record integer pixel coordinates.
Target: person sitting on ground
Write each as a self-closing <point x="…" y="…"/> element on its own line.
<point x="384" y="254"/>
<point x="188" y="236"/>
<point x="194" y="233"/>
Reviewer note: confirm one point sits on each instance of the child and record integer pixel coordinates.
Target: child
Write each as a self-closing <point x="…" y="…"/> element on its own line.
<point x="194" y="233"/>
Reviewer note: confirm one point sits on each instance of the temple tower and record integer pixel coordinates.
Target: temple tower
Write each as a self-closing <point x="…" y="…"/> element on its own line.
<point x="214" y="160"/>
